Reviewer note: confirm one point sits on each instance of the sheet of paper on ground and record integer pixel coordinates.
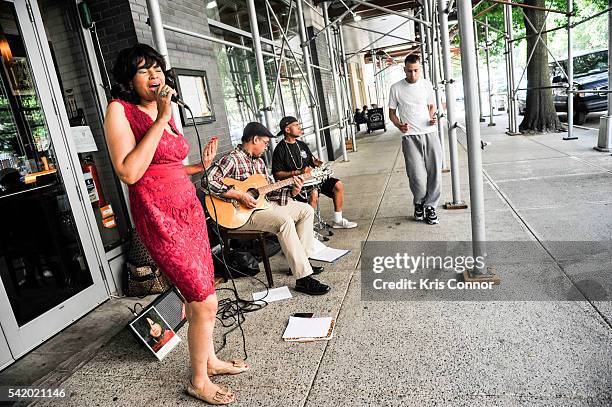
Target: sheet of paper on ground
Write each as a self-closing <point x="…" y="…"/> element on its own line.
<point x="274" y="294"/>
<point x="326" y="254"/>
<point x="309" y="329"/>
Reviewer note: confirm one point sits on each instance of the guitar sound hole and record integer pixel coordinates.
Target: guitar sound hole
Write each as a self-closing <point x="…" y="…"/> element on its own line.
<point x="253" y="192"/>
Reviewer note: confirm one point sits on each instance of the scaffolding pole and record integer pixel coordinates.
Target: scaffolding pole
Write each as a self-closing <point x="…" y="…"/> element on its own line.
<point x="428" y="38"/>
<point x="488" y="59"/>
<point x="389" y="11"/>
<point x="449" y="84"/>
<point x="604" y="141"/>
<point x="332" y="62"/>
<point x="349" y="105"/>
<point x="468" y="64"/>
<point x="512" y="101"/>
<point x="261" y="70"/>
<point x="435" y="78"/>
<point x="570" y="75"/>
<point x="159" y="40"/>
<point x="476" y="41"/>
<point x="277" y="63"/>
<point x="309" y="76"/>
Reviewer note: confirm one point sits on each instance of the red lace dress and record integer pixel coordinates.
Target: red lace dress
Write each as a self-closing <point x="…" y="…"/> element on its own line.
<point x="168" y="215"/>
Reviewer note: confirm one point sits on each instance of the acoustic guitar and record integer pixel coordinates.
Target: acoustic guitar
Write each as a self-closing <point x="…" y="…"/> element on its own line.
<point x="231" y="214"/>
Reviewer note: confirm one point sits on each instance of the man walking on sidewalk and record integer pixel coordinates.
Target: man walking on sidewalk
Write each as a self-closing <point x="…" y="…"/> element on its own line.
<point x="412" y="110"/>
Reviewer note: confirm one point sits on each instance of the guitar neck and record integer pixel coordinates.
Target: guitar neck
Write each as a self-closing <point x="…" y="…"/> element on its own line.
<point x="280" y="184"/>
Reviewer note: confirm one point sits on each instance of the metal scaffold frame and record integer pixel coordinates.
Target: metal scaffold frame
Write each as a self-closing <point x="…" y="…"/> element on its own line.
<point x="441" y="65"/>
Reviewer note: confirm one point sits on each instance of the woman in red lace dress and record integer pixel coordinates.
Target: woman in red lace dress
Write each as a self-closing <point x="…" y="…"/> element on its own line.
<point x="147" y="153"/>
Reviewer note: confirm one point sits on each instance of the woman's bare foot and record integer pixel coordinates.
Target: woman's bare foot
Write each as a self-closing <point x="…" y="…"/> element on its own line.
<point x="212" y="394"/>
<point x="219" y="367"/>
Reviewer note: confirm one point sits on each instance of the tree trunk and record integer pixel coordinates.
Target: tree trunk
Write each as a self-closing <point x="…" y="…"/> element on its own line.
<point x="540" y="115"/>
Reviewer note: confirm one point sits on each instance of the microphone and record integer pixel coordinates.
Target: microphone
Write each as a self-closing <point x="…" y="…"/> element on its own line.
<point x="179" y="101"/>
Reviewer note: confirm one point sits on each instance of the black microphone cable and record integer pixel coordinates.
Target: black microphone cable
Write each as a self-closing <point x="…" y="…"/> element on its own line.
<point x="227" y="309"/>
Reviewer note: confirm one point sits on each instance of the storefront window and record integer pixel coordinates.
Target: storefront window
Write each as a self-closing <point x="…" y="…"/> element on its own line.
<point x="42" y="261"/>
<point x="67" y="44"/>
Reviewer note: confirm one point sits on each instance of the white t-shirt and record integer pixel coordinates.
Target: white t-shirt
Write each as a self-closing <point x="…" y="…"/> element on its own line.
<point x="411" y="102"/>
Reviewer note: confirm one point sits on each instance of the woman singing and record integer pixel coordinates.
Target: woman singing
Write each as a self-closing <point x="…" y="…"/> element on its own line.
<point x="147" y="153"/>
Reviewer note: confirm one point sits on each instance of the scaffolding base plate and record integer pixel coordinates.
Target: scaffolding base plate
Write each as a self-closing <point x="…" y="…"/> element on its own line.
<point x="451" y="205"/>
<point x="570" y="138"/>
<point x="491" y="124"/>
<point x="602" y="149"/>
<point x="490" y="277"/>
<point x="512" y="133"/>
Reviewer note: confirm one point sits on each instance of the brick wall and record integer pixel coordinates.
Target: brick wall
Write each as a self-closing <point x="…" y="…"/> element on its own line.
<point x="189" y="53"/>
<point x="122" y="23"/>
<point x="114" y="26"/>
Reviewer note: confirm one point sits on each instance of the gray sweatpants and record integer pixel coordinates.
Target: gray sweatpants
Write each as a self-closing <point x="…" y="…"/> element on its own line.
<point x="423" y="157"/>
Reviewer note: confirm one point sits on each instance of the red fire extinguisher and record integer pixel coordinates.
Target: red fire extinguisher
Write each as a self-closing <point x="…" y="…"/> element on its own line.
<point x="94" y="187"/>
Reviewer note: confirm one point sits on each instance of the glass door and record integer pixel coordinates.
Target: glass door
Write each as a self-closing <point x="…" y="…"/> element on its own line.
<point x="50" y="266"/>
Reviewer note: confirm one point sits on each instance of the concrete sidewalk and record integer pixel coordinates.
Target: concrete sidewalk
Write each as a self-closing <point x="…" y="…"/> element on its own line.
<point x="414" y="353"/>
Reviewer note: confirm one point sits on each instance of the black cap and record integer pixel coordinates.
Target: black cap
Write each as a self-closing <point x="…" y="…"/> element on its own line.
<point x="255" y="129"/>
<point x="285" y="121"/>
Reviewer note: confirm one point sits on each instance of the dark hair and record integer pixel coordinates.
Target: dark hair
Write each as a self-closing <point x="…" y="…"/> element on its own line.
<point x="365" y="107"/>
<point x="126" y="66"/>
<point x="412" y="59"/>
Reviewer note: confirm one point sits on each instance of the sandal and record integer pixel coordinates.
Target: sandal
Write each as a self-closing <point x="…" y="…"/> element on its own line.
<point x="238" y="364"/>
<point x="222" y="396"/>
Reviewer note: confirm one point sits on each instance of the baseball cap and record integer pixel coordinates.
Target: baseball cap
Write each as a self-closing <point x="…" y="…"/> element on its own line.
<point x="255" y="129"/>
<point x="285" y="121"/>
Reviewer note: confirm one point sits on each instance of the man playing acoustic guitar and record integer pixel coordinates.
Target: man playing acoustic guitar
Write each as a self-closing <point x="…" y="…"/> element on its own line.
<point x="291" y="221"/>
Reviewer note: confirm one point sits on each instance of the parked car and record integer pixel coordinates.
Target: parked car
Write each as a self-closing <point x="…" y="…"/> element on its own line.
<point x="590" y="72"/>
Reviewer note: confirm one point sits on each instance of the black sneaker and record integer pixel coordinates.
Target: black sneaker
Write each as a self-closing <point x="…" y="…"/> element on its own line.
<point x="317" y="270"/>
<point x="310" y="286"/>
<point x="418" y="212"/>
<point x="430" y="215"/>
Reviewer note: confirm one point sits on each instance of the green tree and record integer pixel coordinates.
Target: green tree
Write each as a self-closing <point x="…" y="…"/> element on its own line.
<point x="540" y="115"/>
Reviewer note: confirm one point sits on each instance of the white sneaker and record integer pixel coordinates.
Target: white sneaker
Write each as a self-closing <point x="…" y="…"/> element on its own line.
<point x="344" y="224"/>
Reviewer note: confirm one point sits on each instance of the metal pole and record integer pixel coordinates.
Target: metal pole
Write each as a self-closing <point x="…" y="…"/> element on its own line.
<point x="512" y="102"/>
<point x="487" y="56"/>
<point x="311" y="83"/>
<point x="248" y="74"/>
<point x="278" y="93"/>
<point x="349" y="105"/>
<point x="378" y="32"/>
<point x="469" y="67"/>
<point x="261" y="70"/>
<point x="389" y="11"/>
<point x="480" y="118"/>
<point x="159" y="40"/>
<point x="428" y="37"/>
<point x="570" y="75"/>
<point x="604" y="139"/>
<point x="371" y="44"/>
<point x="449" y="83"/>
<point x="423" y="51"/>
<point x="435" y="78"/>
<point x="375" y="65"/>
<point x="332" y="62"/>
<point x="609" y="56"/>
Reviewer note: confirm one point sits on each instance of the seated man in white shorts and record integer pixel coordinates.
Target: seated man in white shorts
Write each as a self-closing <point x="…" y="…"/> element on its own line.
<point x="293" y="157"/>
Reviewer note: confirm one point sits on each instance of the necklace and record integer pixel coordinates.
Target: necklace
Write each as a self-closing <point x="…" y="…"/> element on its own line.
<point x="291" y="155"/>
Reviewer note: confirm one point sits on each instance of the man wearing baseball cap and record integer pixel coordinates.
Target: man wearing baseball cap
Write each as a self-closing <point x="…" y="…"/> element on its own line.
<point x="293" y="157"/>
<point x="291" y="221"/>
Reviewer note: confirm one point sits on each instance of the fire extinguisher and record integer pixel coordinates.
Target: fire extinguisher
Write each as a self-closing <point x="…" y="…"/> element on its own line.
<point x="89" y="168"/>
